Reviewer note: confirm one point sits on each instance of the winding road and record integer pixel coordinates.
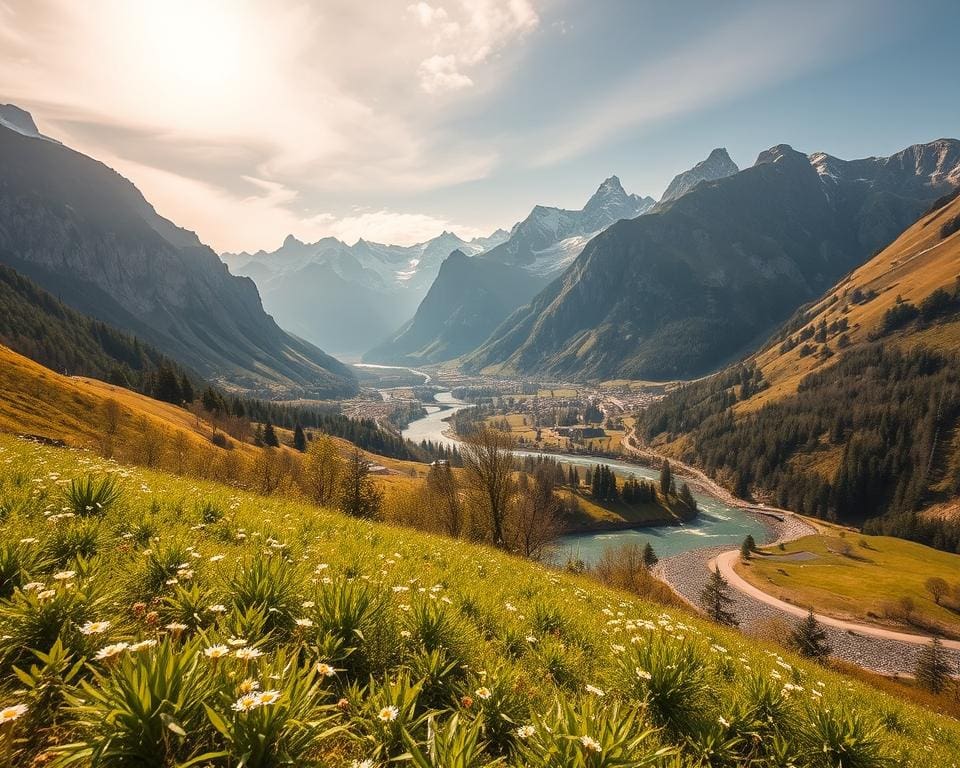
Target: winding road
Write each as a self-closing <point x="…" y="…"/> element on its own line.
<point x="725" y="564"/>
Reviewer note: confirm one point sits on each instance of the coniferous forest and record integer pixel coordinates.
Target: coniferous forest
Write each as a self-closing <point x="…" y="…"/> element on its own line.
<point x="866" y="441"/>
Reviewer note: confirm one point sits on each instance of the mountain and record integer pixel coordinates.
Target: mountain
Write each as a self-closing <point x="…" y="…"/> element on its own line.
<point x="347" y="298"/>
<point x="85" y="234"/>
<point x="504" y="278"/>
<point x="38" y="325"/>
<point x="852" y="410"/>
<point x="698" y="280"/>
<point x="718" y="165"/>
<point x="455" y="314"/>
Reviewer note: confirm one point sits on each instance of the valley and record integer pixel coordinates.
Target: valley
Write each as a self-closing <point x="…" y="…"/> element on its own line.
<point x="480" y="384"/>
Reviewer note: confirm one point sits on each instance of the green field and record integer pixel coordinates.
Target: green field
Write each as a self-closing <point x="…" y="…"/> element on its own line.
<point x="860" y="577"/>
<point x="364" y="642"/>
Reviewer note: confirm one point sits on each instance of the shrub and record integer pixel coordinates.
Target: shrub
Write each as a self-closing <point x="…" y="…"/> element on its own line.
<point x="90" y="495"/>
<point x="668" y="676"/>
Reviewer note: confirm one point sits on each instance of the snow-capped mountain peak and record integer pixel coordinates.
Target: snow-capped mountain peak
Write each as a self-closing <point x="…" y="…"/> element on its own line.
<point x="717" y="165"/>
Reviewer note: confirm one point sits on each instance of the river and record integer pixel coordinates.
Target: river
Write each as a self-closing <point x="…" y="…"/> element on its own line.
<point x="717" y="523"/>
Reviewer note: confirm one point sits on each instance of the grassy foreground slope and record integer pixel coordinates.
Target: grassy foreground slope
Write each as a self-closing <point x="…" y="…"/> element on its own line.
<point x="187" y="623"/>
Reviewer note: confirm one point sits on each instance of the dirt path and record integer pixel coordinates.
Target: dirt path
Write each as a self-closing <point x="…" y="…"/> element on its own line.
<point x="725" y="563"/>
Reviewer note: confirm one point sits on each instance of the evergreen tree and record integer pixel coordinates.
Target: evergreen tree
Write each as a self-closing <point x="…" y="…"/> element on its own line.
<point x="686" y="497"/>
<point x="748" y="547"/>
<point x="168" y="387"/>
<point x="186" y="389"/>
<point x="715" y="599"/>
<point x="933" y="668"/>
<point x="650" y="558"/>
<point x="299" y="439"/>
<point x="270" y="437"/>
<point x="666" y="479"/>
<point x="359" y="495"/>
<point x="809" y="639"/>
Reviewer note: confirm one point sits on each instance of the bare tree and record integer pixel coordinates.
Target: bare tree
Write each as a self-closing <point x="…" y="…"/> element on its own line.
<point x="937" y="587"/>
<point x="534" y="510"/>
<point x="444" y="492"/>
<point x="359" y="494"/>
<point x="322" y="468"/>
<point x="487" y="456"/>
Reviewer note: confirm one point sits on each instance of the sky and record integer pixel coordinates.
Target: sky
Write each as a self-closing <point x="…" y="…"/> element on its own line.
<point x="394" y="120"/>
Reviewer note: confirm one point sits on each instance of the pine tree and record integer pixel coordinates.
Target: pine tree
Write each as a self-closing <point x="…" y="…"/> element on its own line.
<point x="186" y="389"/>
<point x="168" y="387"/>
<point x="686" y="498"/>
<point x="933" y="669"/>
<point x="666" y="479"/>
<point x="270" y="437"/>
<point x="299" y="438"/>
<point x="650" y="558"/>
<point x="748" y="547"/>
<point x="715" y="599"/>
<point x="809" y="639"/>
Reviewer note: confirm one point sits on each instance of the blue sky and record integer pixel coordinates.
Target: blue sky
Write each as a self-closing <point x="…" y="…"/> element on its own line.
<point x="393" y="120"/>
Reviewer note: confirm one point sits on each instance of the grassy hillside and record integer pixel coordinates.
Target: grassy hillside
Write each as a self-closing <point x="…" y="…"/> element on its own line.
<point x="184" y="622"/>
<point x="926" y="257"/>
<point x="871" y="579"/>
<point x="851" y="411"/>
<point x="116" y="422"/>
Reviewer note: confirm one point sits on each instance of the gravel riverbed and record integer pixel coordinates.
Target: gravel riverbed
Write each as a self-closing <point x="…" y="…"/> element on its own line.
<point x="687" y="573"/>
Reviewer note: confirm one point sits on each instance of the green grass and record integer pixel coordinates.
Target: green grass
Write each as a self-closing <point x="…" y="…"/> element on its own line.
<point x="863" y="584"/>
<point x="369" y="641"/>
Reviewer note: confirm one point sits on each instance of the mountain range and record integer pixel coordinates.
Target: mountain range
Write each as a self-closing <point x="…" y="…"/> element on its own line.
<point x="87" y="235"/>
<point x="468" y="300"/>
<point x="850" y="411"/>
<point x="346" y="298"/>
<point x="700" y="279"/>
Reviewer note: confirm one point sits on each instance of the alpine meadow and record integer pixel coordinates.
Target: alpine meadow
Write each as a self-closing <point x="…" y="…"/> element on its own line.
<point x="474" y="383"/>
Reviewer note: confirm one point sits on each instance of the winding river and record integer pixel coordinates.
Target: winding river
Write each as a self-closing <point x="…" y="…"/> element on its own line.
<point x="717" y="524"/>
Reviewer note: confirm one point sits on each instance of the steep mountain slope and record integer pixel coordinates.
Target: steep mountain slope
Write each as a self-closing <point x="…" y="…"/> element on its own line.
<point x="851" y="411"/>
<point x="679" y="291"/>
<point x="346" y="298"/>
<point x="87" y="235"/>
<point x="718" y="165"/>
<point x="38" y="325"/>
<point x="456" y="313"/>
<point x="539" y="248"/>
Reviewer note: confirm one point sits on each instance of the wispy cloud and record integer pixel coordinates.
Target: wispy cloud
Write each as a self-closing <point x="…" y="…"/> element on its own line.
<point x="334" y="101"/>
<point x="761" y="47"/>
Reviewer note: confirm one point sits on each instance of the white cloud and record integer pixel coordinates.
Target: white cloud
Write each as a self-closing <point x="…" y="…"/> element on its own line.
<point x="439" y="73"/>
<point x="334" y="102"/>
<point x="391" y="227"/>
<point x="468" y="37"/>
<point x="426" y="13"/>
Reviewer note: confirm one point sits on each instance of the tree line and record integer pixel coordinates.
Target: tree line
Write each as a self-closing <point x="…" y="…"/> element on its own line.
<point x="881" y="417"/>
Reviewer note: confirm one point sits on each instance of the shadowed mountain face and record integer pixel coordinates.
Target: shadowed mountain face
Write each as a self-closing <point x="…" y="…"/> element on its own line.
<point x="718" y="165"/>
<point x="466" y="303"/>
<point x="700" y="279"/>
<point x="87" y="235"/>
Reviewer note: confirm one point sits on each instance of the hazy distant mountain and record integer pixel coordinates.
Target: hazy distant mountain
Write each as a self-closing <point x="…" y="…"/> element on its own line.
<point x="718" y="165"/>
<point x="347" y="298"/>
<point x="467" y="303"/>
<point x="699" y="279"/>
<point x="86" y="234"/>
